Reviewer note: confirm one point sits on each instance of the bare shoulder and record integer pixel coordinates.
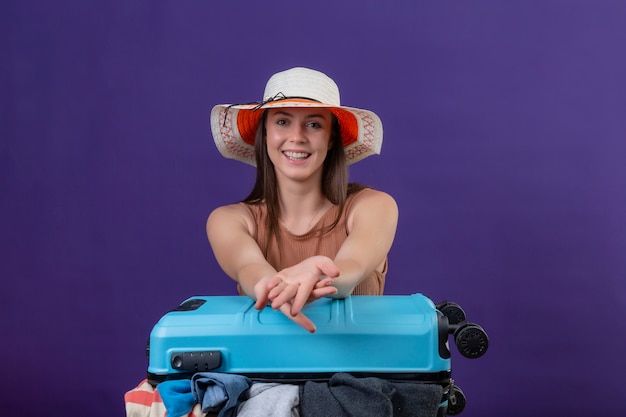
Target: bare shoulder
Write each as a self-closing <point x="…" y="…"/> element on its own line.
<point x="373" y="207"/>
<point x="370" y="198"/>
<point x="230" y="215"/>
<point x="237" y="209"/>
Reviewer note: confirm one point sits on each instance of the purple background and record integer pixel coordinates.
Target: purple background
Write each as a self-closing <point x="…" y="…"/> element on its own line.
<point x="504" y="146"/>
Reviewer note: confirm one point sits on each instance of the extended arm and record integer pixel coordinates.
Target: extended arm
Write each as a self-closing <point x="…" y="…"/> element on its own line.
<point x="240" y="257"/>
<point x="372" y="226"/>
<point x="238" y="254"/>
<point x="371" y="223"/>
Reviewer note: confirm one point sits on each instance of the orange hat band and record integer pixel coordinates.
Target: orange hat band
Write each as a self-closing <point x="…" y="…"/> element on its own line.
<point x="248" y="123"/>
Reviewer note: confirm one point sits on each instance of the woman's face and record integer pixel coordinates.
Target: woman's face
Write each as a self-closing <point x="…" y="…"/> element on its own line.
<point x="298" y="140"/>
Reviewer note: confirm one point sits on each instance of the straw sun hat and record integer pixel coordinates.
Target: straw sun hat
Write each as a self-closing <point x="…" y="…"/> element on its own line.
<point x="234" y="125"/>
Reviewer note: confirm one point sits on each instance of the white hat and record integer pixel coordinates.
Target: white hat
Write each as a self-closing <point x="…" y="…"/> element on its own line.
<point x="234" y="126"/>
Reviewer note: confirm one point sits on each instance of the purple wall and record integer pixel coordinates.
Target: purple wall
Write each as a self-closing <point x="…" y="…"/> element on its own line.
<point x="504" y="146"/>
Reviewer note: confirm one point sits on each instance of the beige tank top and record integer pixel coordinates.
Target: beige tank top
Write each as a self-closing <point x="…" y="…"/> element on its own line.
<point x="297" y="248"/>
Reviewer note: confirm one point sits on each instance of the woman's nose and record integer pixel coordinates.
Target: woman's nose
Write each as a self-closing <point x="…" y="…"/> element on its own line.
<point x="298" y="134"/>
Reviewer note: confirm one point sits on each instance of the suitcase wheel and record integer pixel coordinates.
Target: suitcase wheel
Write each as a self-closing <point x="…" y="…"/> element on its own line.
<point x="452" y="311"/>
<point x="456" y="401"/>
<point x="471" y="340"/>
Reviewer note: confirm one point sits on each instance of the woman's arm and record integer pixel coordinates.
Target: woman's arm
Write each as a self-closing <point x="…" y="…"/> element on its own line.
<point x="371" y="223"/>
<point x="229" y="232"/>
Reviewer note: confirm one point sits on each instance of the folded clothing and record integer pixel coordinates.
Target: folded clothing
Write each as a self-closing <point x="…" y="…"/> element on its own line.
<point x="205" y="394"/>
<point x="346" y="395"/>
<point x="271" y="399"/>
<point x="145" y="401"/>
<point x="177" y="397"/>
<point x="218" y="392"/>
<point x="227" y="395"/>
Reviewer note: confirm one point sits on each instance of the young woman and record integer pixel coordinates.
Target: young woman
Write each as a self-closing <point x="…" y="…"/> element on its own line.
<point x="303" y="232"/>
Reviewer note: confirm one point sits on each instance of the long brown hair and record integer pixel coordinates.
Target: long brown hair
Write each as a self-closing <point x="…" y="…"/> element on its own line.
<point x="335" y="186"/>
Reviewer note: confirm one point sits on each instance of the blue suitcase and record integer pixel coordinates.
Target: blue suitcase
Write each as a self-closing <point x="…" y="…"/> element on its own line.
<point x="395" y="337"/>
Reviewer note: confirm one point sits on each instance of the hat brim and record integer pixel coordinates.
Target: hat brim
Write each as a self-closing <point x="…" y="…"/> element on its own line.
<point x="234" y="128"/>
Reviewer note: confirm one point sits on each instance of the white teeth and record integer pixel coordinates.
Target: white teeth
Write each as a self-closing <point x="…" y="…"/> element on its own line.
<point x="297" y="155"/>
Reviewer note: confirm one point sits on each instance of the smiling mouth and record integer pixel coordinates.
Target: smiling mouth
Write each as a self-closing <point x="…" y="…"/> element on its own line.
<point x="297" y="156"/>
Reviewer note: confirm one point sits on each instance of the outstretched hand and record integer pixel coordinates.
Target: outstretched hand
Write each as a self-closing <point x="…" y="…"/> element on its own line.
<point x="303" y="283"/>
<point x="292" y="288"/>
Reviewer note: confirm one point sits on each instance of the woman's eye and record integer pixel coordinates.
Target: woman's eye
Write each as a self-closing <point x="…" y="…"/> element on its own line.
<point x="281" y="122"/>
<point x="315" y="125"/>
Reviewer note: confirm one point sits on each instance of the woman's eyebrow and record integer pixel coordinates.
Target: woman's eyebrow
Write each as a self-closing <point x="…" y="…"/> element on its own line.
<point x="308" y="116"/>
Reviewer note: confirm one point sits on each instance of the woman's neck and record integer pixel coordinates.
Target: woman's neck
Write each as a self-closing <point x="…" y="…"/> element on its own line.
<point x="301" y="210"/>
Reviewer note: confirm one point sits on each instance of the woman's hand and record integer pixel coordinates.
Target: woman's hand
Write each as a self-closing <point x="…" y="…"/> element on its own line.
<point x="321" y="289"/>
<point x="302" y="283"/>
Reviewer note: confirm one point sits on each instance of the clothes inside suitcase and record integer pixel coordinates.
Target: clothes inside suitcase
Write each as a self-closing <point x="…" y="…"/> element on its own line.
<point x="394" y="337"/>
